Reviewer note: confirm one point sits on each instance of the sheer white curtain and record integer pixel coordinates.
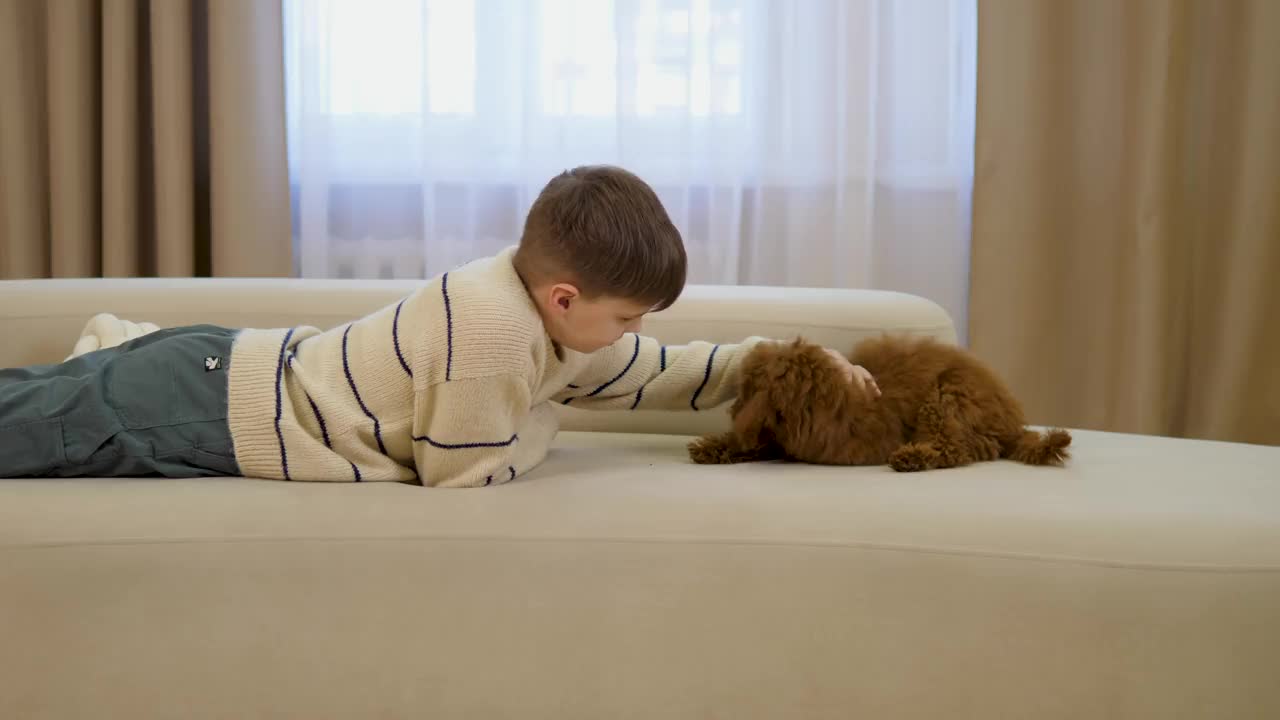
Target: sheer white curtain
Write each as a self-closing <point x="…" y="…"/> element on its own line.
<point x="816" y="142"/>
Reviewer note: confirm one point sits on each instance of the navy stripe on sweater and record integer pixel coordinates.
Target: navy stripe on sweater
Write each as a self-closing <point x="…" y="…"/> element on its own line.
<point x="395" y="338"/>
<point x="635" y="353"/>
<point x="662" y="367"/>
<point x="315" y="410"/>
<point x="706" y="377"/>
<point x="324" y="431"/>
<point x="346" y="368"/>
<point x="284" y="456"/>
<point x="448" y="319"/>
<point x="465" y="446"/>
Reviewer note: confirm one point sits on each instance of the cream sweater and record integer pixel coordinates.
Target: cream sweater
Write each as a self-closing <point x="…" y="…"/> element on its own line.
<point x="451" y="386"/>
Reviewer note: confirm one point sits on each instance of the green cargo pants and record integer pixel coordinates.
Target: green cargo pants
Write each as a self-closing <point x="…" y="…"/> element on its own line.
<point x="155" y="405"/>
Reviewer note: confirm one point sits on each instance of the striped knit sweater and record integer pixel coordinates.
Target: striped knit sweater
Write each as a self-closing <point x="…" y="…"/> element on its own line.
<point x="451" y="386"/>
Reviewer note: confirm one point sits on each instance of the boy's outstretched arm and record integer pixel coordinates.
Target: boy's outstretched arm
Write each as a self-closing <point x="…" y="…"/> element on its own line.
<point x="639" y="373"/>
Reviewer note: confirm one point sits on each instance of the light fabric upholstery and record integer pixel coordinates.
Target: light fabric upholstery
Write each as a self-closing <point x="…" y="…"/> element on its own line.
<point x="617" y="580"/>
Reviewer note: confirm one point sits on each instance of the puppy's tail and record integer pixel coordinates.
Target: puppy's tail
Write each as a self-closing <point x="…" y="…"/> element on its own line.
<point x="1035" y="448"/>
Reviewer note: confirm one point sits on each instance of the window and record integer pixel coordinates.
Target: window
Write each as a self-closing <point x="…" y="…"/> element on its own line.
<point x="793" y="142"/>
<point x="390" y="76"/>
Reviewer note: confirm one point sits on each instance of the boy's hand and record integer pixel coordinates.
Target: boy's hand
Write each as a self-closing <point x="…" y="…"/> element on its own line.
<point x="855" y="373"/>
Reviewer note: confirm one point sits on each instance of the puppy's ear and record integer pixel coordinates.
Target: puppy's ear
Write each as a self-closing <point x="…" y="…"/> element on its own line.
<point x="749" y="424"/>
<point x="751" y="413"/>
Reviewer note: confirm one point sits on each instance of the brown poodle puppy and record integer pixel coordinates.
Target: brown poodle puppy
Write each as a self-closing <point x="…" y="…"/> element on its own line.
<point x="940" y="407"/>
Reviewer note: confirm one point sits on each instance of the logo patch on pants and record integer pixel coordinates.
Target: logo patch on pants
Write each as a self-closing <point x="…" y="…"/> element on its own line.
<point x="212" y="363"/>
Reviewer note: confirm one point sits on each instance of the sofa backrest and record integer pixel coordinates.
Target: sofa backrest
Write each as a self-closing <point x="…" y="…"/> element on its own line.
<point x="41" y="319"/>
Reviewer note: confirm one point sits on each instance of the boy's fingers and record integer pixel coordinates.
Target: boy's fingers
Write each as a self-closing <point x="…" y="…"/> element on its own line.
<point x="869" y="385"/>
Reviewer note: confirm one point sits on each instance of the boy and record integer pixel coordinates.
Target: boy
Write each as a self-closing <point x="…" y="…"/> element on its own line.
<point x="451" y="387"/>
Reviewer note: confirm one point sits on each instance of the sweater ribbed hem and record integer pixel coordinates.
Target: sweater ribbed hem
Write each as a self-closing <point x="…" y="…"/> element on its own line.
<point x="252" y="406"/>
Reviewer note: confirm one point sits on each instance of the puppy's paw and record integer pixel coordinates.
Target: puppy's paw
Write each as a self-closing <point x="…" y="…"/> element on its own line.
<point x="714" y="450"/>
<point x="914" y="457"/>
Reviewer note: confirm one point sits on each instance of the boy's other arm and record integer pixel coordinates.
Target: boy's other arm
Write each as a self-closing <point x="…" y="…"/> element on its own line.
<point x="476" y="432"/>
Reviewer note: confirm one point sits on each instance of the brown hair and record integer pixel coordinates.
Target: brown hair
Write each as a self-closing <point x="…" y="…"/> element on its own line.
<point x="603" y="229"/>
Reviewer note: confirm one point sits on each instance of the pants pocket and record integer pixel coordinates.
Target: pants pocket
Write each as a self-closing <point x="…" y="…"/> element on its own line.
<point x="31" y="449"/>
<point x="138" y="386"/>
<point x="169" y="382"/>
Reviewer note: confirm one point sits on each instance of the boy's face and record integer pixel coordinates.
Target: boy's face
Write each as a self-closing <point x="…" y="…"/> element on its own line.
<point x="589" y="325"/>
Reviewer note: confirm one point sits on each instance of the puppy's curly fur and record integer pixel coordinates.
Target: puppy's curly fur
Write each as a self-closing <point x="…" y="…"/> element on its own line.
<point x="940" y="407"/>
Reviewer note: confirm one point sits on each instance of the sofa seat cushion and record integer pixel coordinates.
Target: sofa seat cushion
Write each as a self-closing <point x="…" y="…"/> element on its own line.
<point x="660" y="588"/>
<point x="1123" y="499"/>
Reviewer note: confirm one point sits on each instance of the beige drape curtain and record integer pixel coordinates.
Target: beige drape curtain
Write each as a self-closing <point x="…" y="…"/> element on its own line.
<point x="1126" y="225"/>
<point x="142" y="137"/>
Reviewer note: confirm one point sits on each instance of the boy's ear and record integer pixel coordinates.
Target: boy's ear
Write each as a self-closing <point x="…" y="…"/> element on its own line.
<point x="563" y="295"/>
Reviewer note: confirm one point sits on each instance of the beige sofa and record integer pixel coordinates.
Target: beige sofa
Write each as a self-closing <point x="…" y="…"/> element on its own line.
<point x="620" y="581"/>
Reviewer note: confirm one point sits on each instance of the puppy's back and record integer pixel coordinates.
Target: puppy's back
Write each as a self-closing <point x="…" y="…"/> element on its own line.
<point x="908" y="368"/>
<point x="907" y="358"/>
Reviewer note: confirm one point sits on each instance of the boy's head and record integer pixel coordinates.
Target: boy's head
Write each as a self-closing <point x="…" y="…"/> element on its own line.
<point x="597" y="253"/>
